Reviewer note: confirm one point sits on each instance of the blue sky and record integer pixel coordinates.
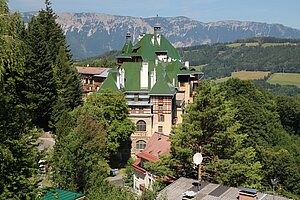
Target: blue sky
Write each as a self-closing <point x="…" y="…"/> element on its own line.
<point x="285" y="12"/>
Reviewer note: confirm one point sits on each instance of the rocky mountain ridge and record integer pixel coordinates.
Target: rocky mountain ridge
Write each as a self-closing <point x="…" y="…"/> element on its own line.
<point x="91" y="34"/>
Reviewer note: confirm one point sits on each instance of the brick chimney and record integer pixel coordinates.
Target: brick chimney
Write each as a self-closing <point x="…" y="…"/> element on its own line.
<point x="247" y="194"/>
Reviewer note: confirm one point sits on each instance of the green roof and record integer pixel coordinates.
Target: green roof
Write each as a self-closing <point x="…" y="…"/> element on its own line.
<point x="148" y="45"/>
<point x="132" y="75"/>
<point x="162" y="87"/>
<point x="110" y="82"/>
<point x="58" y="194"/>
<point x="126" y="50"/>
<point x="166" y="72"/>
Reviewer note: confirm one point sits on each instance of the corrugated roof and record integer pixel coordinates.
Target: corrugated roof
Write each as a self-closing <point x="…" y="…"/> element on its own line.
<point x="208" y="191"/>
<point x="58" y="194"/>
<point x="219" y="191"/>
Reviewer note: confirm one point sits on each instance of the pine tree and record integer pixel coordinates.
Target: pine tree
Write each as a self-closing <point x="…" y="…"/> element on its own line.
<point x="18" y="154"/>
<point x="69" y="91"/>
<point x="49" y="72"/>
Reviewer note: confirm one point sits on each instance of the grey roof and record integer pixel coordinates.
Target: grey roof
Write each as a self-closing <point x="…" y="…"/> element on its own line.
<point x="208" y="191"/>
<point x="104" y="74"/>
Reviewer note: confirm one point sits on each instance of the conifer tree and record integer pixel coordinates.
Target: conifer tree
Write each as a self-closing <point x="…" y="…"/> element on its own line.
<point x="69" y="91"/>
<point x="48" y="50"/>
<point x="18" y="154"/>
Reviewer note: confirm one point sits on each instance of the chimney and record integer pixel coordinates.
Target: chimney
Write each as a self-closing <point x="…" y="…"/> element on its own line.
<point x="197" y="186"/>
<point x="128" y="37"/>
<point x="187" y="64"/>
<point x="121" y="77"/>
<point x="157" y="29"/>
<point x="144" y="76"/>
<point x="153" y="78"/>
<point x="247" y="194"/>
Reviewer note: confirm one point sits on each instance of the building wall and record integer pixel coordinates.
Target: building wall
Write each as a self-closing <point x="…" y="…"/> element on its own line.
<point x="179" y="116"/>
<point x="138" y="181"/>
<point x="91" y="83"/>
<point x="141" y="180"/>
<point x="162" y="106"/>
<point x="185" y="86"/>
<point x="140" y="135"/>
<point x="158" y="119"/>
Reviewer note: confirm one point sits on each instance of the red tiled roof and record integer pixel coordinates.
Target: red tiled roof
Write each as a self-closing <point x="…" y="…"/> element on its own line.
<point x="136" y="166"/>
<point x="158" y="144"/>
<point x="90" y="70"/>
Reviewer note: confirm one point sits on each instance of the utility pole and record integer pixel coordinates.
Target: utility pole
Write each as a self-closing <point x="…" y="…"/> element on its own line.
<point x="200" y="167"/>
<point x="197" y="160"/>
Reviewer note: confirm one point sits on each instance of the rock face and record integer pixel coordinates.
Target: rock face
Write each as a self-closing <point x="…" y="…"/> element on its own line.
<point x="91" y="34"/>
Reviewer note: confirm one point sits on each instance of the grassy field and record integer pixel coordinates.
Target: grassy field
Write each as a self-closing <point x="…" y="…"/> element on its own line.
<point x="253" y="44"/>
<point x="249" y="75"/>
<point x="198" y="68"/>
<point x="245" y="75"/>
<point x="250" y="44"/>
<point x="285" y="79"/>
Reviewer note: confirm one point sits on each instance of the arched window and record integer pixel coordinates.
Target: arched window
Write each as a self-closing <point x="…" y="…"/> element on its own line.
<point x="141" y="125"/>
<point x="140" y="144"/>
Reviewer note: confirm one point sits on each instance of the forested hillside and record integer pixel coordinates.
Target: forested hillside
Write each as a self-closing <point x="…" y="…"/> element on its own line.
<point x="247" y="137"/>
<point x="264" y="54"/>
<point x="91" y="34"/>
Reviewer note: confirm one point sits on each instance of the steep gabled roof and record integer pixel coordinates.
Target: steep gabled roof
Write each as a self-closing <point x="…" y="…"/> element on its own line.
<point x="158" y="144"/>
<point x="148" y="46"/>
<point x="132" y="75"/>
<point x="162" y="87"/>
<point x="126" y="50"/>
<point x="165" y="71"/>
<point x="110" y="82"/>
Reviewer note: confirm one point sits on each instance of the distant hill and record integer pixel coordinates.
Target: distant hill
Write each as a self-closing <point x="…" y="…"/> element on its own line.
<point x="91" y="34"/>
<point x="262" y="54"/>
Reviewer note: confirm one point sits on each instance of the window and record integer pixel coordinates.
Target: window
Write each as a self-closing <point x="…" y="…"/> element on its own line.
<point x="136" y="97"/>
<point x="182" y="84"/>
<point x="160" y="129"/>
<point x="140" y="144"/>
<point x="161" y="118"/>
<point x="141" y="125"/>
<point x="160" y="107"/>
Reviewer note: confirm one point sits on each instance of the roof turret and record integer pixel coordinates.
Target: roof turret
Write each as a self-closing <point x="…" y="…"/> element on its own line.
<point x="157" y="29"/>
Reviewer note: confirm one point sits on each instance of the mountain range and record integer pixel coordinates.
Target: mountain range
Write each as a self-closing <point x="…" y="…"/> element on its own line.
<point x="91" y="34"/>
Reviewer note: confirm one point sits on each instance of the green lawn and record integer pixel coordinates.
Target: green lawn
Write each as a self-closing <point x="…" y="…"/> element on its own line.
<point x="234" y="45"/>
<point x="248" y="44"/>
<point x="285" y="79"/>
<point x="245" y="75"/>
